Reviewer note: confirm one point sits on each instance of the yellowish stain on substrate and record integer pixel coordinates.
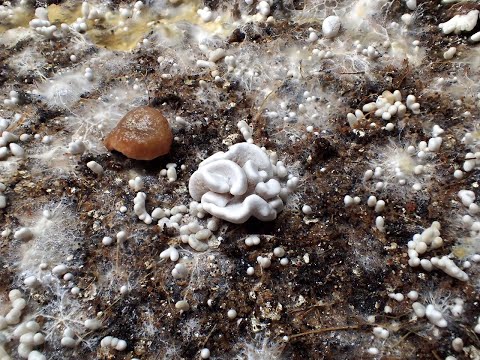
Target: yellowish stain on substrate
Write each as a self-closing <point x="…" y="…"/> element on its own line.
<point x="466" y="249"/>
<point x="116" y="33"/>
<point x="21" y="18"/>
<point x="66" y="13"/>
<point x="111" y="35"/>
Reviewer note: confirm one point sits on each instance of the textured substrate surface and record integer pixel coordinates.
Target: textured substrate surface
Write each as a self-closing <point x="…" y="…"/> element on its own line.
<point x="341" y="266"/>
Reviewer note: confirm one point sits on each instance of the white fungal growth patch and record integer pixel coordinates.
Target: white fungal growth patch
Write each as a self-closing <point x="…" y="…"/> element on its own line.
<point x="171" y="172"/>
<point x="179" y="271"/>
<point x="16" y="150"/>
<point x="411" y="4"/>
<point x="300" y="104"/>
<point x="54" y="238"/>
<point x="381" y="332"/>
<point x="439" y="310"/>
<point x="64" y="90"/>
<point x="468" y="246"/>
<point x="259" y="349"/>
<point x="14" y="313"/>
<point x="403" y="168"/>
<point x="331" y="26"/>
<point x="12" y="37"/>
<point x="52" y="157"/>
<point x="182" y="305"/>
<point x="19" y="329"/>
<point x="241" y="183"/>
<point x="449" y="267"/>
<point x="429" y="240"/>
<point x="475" y="37"/>
<point x="29" y="62"/>
<point x="97" y="117"/>
<point x="136" y="184"/>
<point x="477" y="326"/>
<point x="205" y="14"/>
<point x="42" y="26"/>
<point x="405" y="46"/>
<point x="460" y="23"/>
<point x="67" y="323"/>
<point x="139" y="208"/>
<point x="3" y="198"/>
<point x="435" y="316"/>
<point x="95" y="167"/>
<point x="387" y="106"/>
<point x="295" y="83"/>
<point x="12" y="101"/>
<point x="114" y="343"/>
<point x="76" y="147"/>
<point x="360" y="13"/>
<point x="450" y="53"/>
<point x="472" y="141"/>
<point x="246" y="131"/>
<point x="253" y="73"/>
<point x="9" y="167"/>
<point x="468" y="227"/>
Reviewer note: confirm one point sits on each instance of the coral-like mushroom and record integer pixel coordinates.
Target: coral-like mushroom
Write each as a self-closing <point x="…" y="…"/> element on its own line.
<point x="142" y="134"/>
<point x="240" y="183"/>
<point x="241" y="154"/>
<point x="239" y="212"/>
<point x="221" y="176"/>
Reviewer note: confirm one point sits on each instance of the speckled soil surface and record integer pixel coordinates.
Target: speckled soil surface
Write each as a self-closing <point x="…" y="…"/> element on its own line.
<point x="341" y="267"/>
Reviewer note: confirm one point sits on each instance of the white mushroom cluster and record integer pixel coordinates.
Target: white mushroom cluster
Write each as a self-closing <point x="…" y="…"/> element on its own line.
<point x="460" y="23"/>
<point x="242" y="182"/>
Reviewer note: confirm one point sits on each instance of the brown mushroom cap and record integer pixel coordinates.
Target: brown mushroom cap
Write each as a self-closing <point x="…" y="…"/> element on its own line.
<point x="142" y="134"/>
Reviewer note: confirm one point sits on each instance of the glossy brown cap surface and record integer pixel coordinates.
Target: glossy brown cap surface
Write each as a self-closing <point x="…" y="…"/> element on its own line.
<point x="142" y="134"/>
